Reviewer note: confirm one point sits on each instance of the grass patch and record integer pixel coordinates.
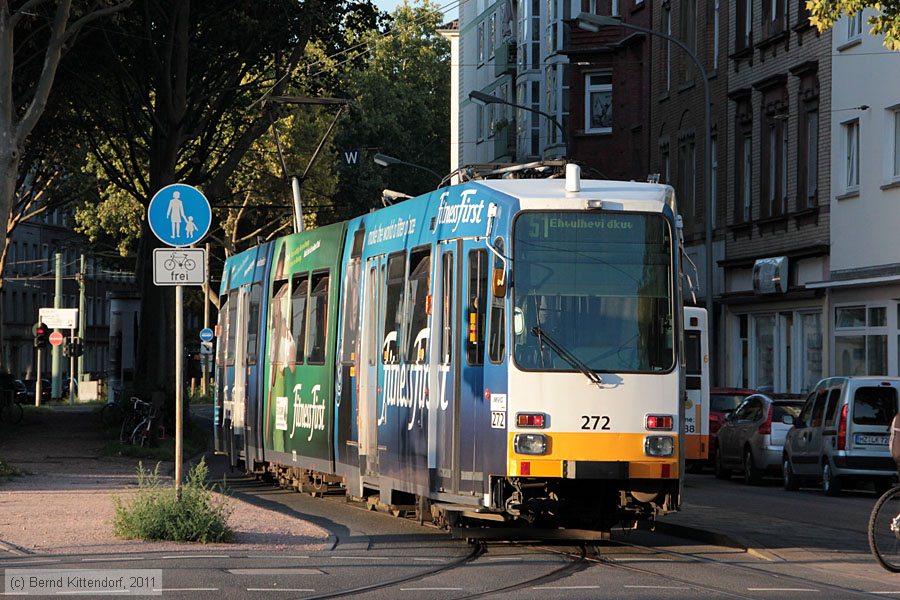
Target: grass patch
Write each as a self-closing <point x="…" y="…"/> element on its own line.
<point x="195" y="441"/>
<point x="7" y="471"/>
<point x="198" y="398"/>
<point x="155" y="514"/>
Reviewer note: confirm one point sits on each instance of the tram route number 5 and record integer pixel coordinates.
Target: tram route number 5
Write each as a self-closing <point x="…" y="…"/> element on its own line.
<point x="592" y="422"/>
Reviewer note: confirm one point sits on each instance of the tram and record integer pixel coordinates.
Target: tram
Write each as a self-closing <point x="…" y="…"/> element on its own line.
<point x="504" y="349"/>
<point x="696" y="405"/>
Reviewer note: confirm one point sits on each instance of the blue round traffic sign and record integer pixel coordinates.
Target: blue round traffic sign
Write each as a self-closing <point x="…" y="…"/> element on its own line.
<point x="179" y="215"/>
<point x="206" y="334"/>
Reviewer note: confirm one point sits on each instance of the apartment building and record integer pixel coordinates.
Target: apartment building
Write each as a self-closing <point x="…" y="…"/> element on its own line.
<point x="777" y="219"/>
<point x="862" y="284"/>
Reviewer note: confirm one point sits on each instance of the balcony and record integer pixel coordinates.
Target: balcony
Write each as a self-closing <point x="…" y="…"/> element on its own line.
<point x="505" y="59"/>
<point x="504" y="141"/>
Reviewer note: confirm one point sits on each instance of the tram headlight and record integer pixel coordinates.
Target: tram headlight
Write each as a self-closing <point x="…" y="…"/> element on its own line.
<point x="659" y="445"/>
<point x="530" y="443"/>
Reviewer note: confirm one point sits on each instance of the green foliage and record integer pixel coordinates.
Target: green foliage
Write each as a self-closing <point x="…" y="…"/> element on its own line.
<point x="7" y="470"/>
<point x="155" y="514"/>
<point x="824" y="13"/>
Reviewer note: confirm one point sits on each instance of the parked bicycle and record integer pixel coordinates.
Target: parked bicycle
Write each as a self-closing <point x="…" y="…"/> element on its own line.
<point x="113" y="412"/>
<point x="137" y="428"/>
<point x="10" y="411"/>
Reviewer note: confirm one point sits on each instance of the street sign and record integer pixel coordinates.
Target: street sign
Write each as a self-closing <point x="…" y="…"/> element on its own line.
<point x="179" y="215"/>
<point x="206" y="334"/>
<point x="206" y="348"/>
<point x="56" y="339"/>
<point x="59" y="318"/>
<point x="179" y="266"/>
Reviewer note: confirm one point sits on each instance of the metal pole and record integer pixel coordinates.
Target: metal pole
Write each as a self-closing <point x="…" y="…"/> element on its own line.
<point x="56" y="352"/>
<point x="81" y="318"/>
<point x="298" y="204"/>
<point x="205" y="359"/>
<point x="72" y="366"/>
<point x="179" y="359"/>
<point x="37" y="381"/>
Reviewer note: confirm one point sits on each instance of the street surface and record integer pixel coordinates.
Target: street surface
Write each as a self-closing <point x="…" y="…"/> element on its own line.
<point x="798" y="545"/>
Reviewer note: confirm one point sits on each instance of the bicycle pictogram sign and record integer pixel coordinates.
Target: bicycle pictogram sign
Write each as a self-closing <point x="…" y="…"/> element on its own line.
<point x="179" y="266"/>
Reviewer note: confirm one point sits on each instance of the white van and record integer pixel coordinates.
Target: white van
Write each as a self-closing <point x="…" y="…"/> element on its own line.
<point x="842" y="434"/>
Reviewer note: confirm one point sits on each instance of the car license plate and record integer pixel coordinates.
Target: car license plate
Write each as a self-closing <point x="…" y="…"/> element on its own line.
<point x="870" y="440"/>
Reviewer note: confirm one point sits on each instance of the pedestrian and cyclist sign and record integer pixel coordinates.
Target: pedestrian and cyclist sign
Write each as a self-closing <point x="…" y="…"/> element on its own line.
<point x="179" y="215"/>
<point x="179" y="266"/>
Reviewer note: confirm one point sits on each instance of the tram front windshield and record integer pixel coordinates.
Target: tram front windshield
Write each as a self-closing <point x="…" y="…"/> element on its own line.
<point x="595" y="285"/>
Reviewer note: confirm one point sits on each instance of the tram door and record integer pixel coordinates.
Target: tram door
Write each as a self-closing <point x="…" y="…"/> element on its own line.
<point x="474" y="410"/>
<point x="446" y="317"/>
<point x="370" y="347"/>
<point x="239" y="394"/>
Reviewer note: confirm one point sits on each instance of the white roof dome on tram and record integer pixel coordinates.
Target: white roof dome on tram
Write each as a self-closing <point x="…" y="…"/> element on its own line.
<point x="541" y="191"/>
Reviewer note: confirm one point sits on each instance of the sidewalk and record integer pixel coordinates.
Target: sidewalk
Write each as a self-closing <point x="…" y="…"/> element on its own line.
<point x="63" y="504"/>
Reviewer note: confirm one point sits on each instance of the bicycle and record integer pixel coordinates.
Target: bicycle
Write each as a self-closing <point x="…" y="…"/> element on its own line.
<point x="10" y="411"/>
<point x="144" y="414"/>
<point x="180" y="260"/>
<point x="884" y="530"/>
<point x="113" y="412"/>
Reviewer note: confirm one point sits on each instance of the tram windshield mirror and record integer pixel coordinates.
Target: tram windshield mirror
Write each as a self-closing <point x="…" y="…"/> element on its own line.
<point x="498" y="282"/>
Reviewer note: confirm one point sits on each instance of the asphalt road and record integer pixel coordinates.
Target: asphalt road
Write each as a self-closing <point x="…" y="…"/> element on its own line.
<point x="802" y="545"/>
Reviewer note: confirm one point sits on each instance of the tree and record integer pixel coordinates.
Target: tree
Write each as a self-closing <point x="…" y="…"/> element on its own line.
<point x="174" y="92"/>
<point x="401" y="94"/>
<point x="823" y="14"/>
<point x="34" y="35"/>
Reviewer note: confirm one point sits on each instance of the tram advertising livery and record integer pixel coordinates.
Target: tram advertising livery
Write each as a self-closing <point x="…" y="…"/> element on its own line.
<point x="505" y="350"/>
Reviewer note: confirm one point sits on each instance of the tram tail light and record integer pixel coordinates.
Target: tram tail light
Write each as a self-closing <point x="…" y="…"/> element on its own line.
<point x="533" y="420"/>
<point x="659" y="445"/>
<point x="530" y="443"/>
<point x="842" y="429"/>
<point x="660" y="422"/>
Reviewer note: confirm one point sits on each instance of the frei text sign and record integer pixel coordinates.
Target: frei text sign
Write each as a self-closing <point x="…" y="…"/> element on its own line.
<point x="59" y="318"/>
<point x="179" y="266"/>
<point x="179" y="215"/>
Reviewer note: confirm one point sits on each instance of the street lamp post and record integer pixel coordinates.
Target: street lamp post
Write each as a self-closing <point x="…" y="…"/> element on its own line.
<point x="591" y="22"/>
<point x="484" y="99"/>
<point x="384" y="160"/>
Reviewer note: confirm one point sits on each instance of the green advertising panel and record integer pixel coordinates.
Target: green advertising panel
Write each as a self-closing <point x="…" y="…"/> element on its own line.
<point x="299" y="370"/>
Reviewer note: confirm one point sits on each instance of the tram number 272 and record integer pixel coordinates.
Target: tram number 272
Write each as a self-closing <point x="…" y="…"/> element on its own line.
<point x="593" y="422"/>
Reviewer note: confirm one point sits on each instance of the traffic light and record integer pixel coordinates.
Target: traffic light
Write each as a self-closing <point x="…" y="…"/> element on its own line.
<point x="73" y="348"/>
<point x="40" y="332"/>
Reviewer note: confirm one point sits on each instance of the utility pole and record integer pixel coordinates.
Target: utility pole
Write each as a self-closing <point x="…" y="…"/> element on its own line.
<point x="205" y="359"/>
<point x="56" y="353"/>
<point x="81" y="303"/>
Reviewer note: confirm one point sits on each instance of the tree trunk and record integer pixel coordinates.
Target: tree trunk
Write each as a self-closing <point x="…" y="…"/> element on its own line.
<point x="9" y="167"/>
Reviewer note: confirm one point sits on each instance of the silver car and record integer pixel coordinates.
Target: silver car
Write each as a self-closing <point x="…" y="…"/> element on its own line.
<point x="752" y="438"/>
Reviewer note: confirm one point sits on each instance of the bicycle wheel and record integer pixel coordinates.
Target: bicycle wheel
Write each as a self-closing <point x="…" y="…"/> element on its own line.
<point x="128" y="424"/>
<point x="884" y="530"/>
<point x="189" y="264"/>
<point x="139" y="435"/>
<point x="111" y="415"/>
<point x="11" y="413"/>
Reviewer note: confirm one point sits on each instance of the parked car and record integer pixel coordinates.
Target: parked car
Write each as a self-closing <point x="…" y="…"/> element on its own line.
<point x="29" y="390"/>
<point x="21" y="391"/>
<point x="841" y="435"/>
<point x="752" y="437"/>
<point x="722" y="402"/>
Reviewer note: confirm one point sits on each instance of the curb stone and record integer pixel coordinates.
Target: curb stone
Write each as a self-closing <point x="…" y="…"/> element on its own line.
<point x="716" y="538"/>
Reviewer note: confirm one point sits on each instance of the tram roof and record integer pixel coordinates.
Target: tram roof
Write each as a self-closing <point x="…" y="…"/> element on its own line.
<point x="542" y="189"/>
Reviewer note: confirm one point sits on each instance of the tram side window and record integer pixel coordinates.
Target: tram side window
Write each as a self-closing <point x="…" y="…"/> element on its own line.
<point x="497" y="346"/>
<point x="318" y="320"/>
<point x="283" y="347"/>
<point x="372" y="313"/>
<point x="417" y="296"/>
<point x="693" y="355"/>
<point x="231" y="332"/>
<point x="222" y="339"/>
<point x="476" y="306"/>
<point x="350" y="327"/>
<point x="447" y="308"/>
<point x="393" y="307"/>
<point x="253" y="323"/>
<point x="300" y="287"/>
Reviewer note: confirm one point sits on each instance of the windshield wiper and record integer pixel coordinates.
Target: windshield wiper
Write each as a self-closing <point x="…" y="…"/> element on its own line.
<point x="567" y="356"/>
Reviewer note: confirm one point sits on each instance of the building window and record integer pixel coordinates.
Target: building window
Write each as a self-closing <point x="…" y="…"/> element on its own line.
<point x="851" y="154"/>
<point x="664" y="175"/>
<point x="687" y="181"/>
<point x="896" y="144"/>
<point x="598" y="103"/>
<point x="854" y="25"/>
<point x="479" y="122"/>
<point x="764" y="354"/>
<point x="667" y="24"/>
<point x="480" y="34"/>
<point x="774" y="16"/>
<point x="715" y="32"/>
<point x="774" y="166"/>
<point x="688" y="34"/>
<point x="811" y="350"/>
<point x="744" y="38"/>
<point x="492" y="34"/>
<point x="714" y="190"/>
<point x="860" y="340"/>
